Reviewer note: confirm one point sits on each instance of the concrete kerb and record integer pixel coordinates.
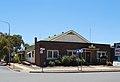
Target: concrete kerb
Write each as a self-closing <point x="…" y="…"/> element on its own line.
<point x="71" y="72"/>
<point x="74" y="71"/>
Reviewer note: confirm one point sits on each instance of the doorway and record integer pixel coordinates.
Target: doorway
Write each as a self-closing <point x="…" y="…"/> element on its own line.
<point x="88" y="57"/>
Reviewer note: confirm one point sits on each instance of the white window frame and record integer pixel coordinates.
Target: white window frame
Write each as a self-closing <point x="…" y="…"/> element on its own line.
<point x="30" y="55"/>
<point x="105" y="52"/>
<point x="71" y="51"/>
<point x="52" y="54"/>
<point x="33" y="53"/>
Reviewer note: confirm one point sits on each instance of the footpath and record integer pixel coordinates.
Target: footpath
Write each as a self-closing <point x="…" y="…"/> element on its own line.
<point x="62" y="69"/>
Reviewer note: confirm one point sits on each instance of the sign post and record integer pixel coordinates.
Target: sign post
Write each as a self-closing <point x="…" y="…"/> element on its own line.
<point x="41" y="52"/>
<point x="79" y="52"/>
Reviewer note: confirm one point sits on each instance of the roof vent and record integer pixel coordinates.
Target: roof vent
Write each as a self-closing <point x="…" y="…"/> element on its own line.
<point x="71" y="33"/>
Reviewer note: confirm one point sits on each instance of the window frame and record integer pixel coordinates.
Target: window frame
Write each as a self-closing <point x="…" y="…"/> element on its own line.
<point x="72" y="52"/>
<point x="33" y="53"/>
<point x="99" y="53"/>
<point x="29" y="55"/>
<point x="51" y="58"/>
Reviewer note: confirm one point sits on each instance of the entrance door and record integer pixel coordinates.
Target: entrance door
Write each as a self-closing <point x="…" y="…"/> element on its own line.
<point x="88" y="57"/>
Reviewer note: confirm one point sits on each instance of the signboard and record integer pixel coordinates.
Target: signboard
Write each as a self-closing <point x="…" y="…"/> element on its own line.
<point x="117" y="51"/>
<point x="41" y="50"/>
<point x="116" y="63"/>
<point x="117" y="45"/>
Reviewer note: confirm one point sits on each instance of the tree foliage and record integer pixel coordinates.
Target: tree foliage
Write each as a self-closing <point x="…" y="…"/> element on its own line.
<point x="16" y="58"/>
<point x="26" y="45"/>
<point x="4" y="44"/>
<point x="7" y="42"/>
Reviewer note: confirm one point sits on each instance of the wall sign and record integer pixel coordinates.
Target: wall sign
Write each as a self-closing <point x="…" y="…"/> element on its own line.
<point x="117" y="45"/>
<point x="117" y="51"/>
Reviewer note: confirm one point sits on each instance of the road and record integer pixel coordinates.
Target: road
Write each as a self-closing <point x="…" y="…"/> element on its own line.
<point x="10" y="76"/>
<point x="5" y="69"/>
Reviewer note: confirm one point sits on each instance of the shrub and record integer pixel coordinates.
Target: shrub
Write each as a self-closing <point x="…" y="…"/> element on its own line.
<point x="78" y="60"/>
<point x="5" y="57"/>
<point x="57" y="62"/>
<point x="71" y="60"/>
<point x="59" y="58"/>
<point x="109" y="63"/>
<point x="51" y="63"/>
<point x="16" y="58"/>
<point x="83" y="60"/>
<point x="66" y="60"/>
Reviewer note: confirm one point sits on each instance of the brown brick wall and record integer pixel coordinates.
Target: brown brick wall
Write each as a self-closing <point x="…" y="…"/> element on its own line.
<point x="64" y="46"/>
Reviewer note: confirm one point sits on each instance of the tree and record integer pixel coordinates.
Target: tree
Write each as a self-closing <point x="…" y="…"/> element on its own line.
<point x="16" y="41"/>
<point x="16" y="58"/>
<point x="26" y="45"/>
<point x="4" y="47"/>
<point x="7" y="42"/>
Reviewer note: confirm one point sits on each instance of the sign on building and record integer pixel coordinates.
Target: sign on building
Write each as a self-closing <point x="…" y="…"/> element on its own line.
<point x="117" y="45"/>
<point x="117" y="51"/>
<point x="116" y="63"/>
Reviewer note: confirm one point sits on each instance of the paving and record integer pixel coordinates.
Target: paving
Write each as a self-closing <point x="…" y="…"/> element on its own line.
<point x="62" y="69"/>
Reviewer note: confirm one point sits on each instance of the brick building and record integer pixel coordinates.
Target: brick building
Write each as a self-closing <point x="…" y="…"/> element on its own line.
<point x="66" y="44"/>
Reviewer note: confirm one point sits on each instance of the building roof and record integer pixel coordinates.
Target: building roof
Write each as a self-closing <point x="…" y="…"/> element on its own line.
<point x="31" y="48"/>
<point x="69" y="36"/>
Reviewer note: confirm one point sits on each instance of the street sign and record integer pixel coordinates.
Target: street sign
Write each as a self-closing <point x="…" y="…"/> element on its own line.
<point x="41" y="50"/>
<point x="79" y="50"/>
<point x="117" y="45"/>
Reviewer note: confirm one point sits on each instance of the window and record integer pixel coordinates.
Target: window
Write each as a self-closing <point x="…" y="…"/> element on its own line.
<point x="98" y="55"/>
<point x="55" y="54"/>
<point x="71" y="52"/>
<point x="52" y="54"/>
<point x="33" y="52"/>
<point x="101" y="54"/>
<point x="49" y="54"/>
<point x="29" y="54"/>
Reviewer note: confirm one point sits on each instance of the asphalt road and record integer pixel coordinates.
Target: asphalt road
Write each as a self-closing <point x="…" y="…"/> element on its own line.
<point x="10" y="76"/>
<point x="5" y="69"/>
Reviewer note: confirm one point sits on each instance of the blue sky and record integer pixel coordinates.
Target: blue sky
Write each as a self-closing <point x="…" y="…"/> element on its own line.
<point x="43" y="18"/>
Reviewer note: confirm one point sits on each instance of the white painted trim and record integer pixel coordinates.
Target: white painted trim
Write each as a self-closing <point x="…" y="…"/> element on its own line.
<point x="101" y="53"/>
<point x="52" y="54"/>
<point x="71" y="51"/>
